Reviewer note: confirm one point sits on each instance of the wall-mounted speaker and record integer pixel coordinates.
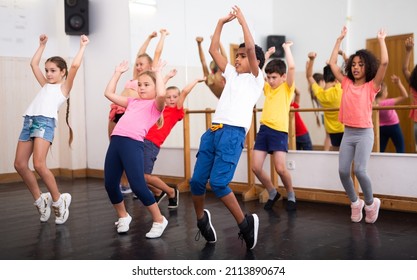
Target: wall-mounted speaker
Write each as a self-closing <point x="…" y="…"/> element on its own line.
<point x="76" y="17"/>
<point x="276" y="41"/>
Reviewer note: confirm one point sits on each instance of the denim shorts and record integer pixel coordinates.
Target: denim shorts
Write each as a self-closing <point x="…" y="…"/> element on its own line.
<point x="270" y="140"/>
<point x="150" y="152"/>
<point x="37" y="126"/>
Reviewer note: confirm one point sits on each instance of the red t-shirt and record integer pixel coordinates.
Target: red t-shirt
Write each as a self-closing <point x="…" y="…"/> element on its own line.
<point x="300" y="127"/>
<point x="171" y="116"/>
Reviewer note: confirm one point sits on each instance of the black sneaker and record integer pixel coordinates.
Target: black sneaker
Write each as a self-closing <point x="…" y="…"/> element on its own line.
<point x="175" y="201"/>
<point x="270" y="203"/>
<point x="206" y="229"/>
<point x="160" y="197"/>
<point x="291" y="205"/>
<point x="250" y="233"/>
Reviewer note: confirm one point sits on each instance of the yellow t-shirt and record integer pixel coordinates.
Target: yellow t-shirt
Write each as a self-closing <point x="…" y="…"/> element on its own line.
<point x="330" y="98"/>
<point x="275" y="113"/>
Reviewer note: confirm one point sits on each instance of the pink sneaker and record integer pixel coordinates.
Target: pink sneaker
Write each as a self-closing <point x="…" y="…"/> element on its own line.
<point x="372" y="211"/>
<point x="356" y="216"/>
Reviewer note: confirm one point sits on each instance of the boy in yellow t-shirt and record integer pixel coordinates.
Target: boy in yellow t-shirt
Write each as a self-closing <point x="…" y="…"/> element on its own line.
<point x="272" y="137"/>
<point x="328" y="96"/>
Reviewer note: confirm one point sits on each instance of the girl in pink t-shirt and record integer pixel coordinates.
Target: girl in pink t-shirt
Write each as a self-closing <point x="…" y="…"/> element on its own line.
<point x="125" y="152"/>
<point x="360" y="85"/>
<point x="389" y="123"/>
<point x="143" y="63"/>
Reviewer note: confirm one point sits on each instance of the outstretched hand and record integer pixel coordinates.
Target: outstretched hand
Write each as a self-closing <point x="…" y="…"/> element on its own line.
<point x="229" y="17"/>
<point x="172" y="73"/>
<point x="287" y="44"/>
<point x="312" y="55"/>
<point x="382" y="34"/>
<point x="159" y="66"/>
<point x="43" y="39"/>
<point x="343" y="33"/>
<point x="84" y="40"/>
<point x="409" y="44"/>
<point x="122" y="67"/>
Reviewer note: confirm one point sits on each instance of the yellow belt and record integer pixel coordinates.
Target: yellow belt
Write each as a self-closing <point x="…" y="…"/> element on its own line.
<point x="215" y="127"/>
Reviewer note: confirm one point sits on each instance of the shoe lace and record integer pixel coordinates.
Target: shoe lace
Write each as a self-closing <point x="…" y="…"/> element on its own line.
<point x="241" y="237"/>
<point x="197" y="236"/>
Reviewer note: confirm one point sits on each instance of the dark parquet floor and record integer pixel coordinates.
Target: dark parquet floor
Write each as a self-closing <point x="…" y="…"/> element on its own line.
<point x="314" y="232"/>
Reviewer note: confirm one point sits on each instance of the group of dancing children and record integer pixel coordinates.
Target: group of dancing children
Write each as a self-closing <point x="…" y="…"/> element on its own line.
<point x="142" y="117"/>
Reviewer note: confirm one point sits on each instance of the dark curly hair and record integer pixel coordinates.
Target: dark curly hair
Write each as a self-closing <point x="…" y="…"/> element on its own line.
<point x="370" y="61"/>
<point x="259" y="54"/>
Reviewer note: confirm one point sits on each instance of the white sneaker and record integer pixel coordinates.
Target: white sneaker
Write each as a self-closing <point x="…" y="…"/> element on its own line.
<point x="157" y="229"/>
<point x="62" y="210"/>
<point x="44" y="208"/>
<point x="123" y="224"/>
<point x="125" y="189"/>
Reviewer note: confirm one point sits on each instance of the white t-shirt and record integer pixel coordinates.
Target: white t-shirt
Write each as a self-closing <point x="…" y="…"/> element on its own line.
<point x="239" y="96"/>
<point x="47" y="102"/>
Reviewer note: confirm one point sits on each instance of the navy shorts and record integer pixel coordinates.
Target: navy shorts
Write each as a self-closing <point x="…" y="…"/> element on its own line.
<point x="336" y="139"/>
<point x="37" y="126"/>
<point x="270" y="140"/>
<point x="150" y="152"/>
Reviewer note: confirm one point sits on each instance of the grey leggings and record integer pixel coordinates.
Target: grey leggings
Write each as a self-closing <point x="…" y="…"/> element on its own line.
<point x="356" y="146"/>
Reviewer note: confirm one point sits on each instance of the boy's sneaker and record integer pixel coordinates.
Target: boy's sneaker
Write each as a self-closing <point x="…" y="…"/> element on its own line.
<point x="372" y="211"/>
<point x="206" y="229"/>
<point x="356" y="215"/>
<point x="44" y="208"/>
<point x="125" y="189"/>
<point x="175" y="201"/>
<point x="270" y="203"/>
<point x="159" y="198"/>
<point x="157" y="229"/>
<point x="250" y="233"/>
<point x="123" y="224"/>
<point x="62" y="210"/>
<point x="291" y="205"/>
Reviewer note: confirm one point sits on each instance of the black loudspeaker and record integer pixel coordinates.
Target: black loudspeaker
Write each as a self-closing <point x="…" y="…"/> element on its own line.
<point x="276" y="41"/>
<point x="76" y="17"/>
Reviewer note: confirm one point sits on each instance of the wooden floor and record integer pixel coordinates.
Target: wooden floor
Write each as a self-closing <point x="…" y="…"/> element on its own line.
<point x="314" y="232"/>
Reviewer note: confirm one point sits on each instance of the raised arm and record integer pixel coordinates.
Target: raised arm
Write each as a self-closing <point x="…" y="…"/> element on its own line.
<point x="333" y="58"/>
<point x="383" y="65"/>
<point x="409" y="46"/>
<point x="309" y="68"/>
<point x="343" y="55"/>
<point x="34" y="63"/>
<point x="290" y="63"/>
<point x="75" y="65"/>
<point x="142" y="49"/>
<point x="202" y="56"/>
<point x="214" y="49"/>
<point x="249" y="42"/>
<point x="110" y="91"/>
<point x="404" y="94"/>
<point x="186" y="90"/>
<point x="297" y="96"/>
<point x="159" y="85"/>
<point x="170" y="75"/>
<point x="159" y="47"/>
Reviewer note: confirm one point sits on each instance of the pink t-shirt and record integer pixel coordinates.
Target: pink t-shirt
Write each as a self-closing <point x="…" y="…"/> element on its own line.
<point x="356" y="105"/>
<point x="171" y="116"/>
<point x="388" y="117"/>
<point x="139" y="117"/>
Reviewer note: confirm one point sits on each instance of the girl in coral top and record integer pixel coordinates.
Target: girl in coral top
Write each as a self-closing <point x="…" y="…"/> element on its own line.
<point x="360" y="85"/>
